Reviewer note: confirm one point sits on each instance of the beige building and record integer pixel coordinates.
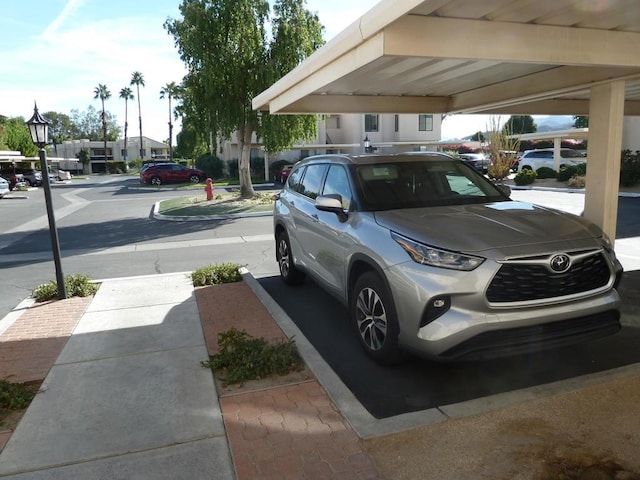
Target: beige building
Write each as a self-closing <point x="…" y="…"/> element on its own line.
<point x="70" y="149"/>
<point x="346" y="133"/>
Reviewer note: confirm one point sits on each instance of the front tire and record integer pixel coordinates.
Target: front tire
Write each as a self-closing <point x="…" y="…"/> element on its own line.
<point x="374" y="318"/>
<point x="288" y="272"/>
<point x="156" y="181"/>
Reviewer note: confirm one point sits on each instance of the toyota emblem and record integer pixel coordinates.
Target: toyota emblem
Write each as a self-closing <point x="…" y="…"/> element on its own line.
<point x="560" y="263"/>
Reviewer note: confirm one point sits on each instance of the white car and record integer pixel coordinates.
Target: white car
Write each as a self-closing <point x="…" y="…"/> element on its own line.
<point x="4" y="187"/>
<point x="543" y="157"/>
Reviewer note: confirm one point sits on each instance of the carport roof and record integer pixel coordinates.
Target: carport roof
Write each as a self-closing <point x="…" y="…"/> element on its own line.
<point x="469" y="56"/>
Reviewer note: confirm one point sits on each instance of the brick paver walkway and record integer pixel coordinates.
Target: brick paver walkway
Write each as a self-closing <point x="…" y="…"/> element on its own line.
<point x="31" y="345"/>
<point x="285" y="432"/>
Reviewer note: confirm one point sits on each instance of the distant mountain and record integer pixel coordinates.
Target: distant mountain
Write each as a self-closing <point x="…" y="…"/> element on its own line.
<point x="552" y="123"/>
<point x="546" y="123"/>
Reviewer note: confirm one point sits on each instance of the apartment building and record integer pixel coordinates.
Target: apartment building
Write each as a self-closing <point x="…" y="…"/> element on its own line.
<point x="347" y="133"/>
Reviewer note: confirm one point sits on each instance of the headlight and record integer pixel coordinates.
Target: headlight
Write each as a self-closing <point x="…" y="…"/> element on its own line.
<point x="436" y="257"/>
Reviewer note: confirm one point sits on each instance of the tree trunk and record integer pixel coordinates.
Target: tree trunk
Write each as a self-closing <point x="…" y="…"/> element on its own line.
<point x="244" y="163"/>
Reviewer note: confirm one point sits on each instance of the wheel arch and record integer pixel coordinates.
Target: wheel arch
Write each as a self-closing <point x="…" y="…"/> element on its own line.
<point x="360" y="264"/>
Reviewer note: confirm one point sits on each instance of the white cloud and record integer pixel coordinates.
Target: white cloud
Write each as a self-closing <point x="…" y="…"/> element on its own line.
<point x="68" y="9"/>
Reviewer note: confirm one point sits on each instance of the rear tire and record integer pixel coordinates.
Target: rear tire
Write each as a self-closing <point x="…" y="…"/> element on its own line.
<point x="374" y="319"/>
<point x="288" y="272"/>
<point x="194" y="179"/>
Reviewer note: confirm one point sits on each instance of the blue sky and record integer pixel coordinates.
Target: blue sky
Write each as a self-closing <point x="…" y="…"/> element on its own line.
<point x="55" y="52"/>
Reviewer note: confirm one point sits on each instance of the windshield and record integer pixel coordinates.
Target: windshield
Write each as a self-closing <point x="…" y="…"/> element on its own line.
<point x="428" y="183"/>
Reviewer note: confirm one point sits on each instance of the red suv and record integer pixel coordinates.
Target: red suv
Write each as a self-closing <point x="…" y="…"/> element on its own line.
<point x="171" y="173"/>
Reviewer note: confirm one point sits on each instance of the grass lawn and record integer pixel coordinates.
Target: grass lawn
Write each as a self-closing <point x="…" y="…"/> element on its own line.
<point x="221" y="205"/>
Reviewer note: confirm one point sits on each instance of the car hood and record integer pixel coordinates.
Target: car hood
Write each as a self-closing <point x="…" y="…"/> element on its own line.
<point x="504" y="227"/>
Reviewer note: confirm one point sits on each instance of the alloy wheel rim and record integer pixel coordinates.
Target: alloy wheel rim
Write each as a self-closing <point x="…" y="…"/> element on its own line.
<point x="371" y="318"/>
<point x="283" y="261"/>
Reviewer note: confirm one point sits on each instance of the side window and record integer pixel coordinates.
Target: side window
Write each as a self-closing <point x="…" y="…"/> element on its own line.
<point x="293" y="182"/>
<point x="337" y="182"/>
<point x="312" y="181"/>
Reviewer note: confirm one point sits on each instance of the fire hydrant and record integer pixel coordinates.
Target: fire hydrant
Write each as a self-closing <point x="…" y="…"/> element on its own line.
<point x="209" y="189"/>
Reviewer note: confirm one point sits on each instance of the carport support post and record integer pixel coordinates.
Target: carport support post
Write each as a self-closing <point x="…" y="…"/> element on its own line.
<point x="606" y="114"/>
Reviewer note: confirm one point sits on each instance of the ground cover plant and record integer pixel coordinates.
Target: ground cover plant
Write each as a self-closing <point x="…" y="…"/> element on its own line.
<point x="76" y="286"/>
<point x="242" y="358"/>
<point x="216" y="274"/>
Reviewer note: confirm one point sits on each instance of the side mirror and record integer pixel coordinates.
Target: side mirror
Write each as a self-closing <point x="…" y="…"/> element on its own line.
<point x="332" y="203"/>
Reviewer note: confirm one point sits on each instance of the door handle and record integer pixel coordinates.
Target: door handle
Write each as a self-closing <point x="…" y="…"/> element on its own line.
<point x="315" y="217"/>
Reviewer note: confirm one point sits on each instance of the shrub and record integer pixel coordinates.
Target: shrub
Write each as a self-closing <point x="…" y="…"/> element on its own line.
<point x="577" y="181"/>
<point x="546" y="172"/>
<point x="76" y="286"/>
<point x="211" y="165"/>
<point x="15" y="396"/>
<point x="566" y="173"/>
<point x="216" y="274"/>
<point x="242" y="357"/>
<point x="630" y="168"/>
<point x="525" y="177"/>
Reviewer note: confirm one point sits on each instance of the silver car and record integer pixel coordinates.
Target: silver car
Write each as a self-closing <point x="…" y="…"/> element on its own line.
<point x="4" y="187"/>
<point x="430" y="257"/>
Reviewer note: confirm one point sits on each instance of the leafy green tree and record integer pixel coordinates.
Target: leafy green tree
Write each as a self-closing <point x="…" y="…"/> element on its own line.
<point x="190" y="143"/>
<point x="61" y="127"/>
<point x="170" y="90"/>
<point x="517" y="124"/>
<point x="103" y="93"/>
<point x="137" y="79"/>
<point x="581" y="121"/>
<point x="16" y="136"/>
<point x="126" y="94"/>
<point x="88" y="124"/>
<point x="478" y="137"/>
<point x="297" y="34"/>
<point x="230" y="60"/>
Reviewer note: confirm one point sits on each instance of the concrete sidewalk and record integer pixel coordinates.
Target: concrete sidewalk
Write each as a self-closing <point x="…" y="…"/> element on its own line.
<point x="127" y="396"/>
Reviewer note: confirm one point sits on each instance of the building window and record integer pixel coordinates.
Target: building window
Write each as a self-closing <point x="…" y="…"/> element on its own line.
<point x="333" y="122"/>
<point x="396" y="123"/>
<point x="371" y="123"/>
<point x="425" y="123"/>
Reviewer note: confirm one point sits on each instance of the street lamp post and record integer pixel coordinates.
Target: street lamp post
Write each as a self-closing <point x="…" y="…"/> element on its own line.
<point x="39" y="130"/>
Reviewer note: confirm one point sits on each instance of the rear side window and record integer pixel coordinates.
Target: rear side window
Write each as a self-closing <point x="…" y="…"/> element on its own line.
<point x="312" y="181"/>
<point x="293" y="182"/>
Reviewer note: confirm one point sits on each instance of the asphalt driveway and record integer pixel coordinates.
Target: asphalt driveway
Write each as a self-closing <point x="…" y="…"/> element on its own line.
<point x="420" y="384"/>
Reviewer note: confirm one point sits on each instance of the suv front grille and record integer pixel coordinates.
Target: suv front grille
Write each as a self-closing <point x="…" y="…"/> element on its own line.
<point x="521" y="282"/>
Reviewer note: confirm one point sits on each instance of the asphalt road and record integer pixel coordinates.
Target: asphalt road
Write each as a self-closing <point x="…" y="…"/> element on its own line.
<point x="106" y="231"/>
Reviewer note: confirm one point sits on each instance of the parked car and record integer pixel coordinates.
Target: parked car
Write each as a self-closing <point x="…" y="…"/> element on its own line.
<point x="477" y="160"/>
<point x="429" y="256"/>
<point x="543" y="157"/>
<point x="4" y="187"/>
<point x="14" y="179"/>
<point x="282" y="174"/>
<point x="171" y="173"/>
<point x="31" y="176"/>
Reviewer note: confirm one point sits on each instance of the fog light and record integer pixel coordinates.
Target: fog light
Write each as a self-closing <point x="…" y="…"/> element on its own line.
<point x="437" y="307"/>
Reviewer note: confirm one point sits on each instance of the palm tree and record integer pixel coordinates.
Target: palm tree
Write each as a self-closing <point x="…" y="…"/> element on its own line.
<point x="127" y="95"/>
<point x="170" y="90"/>
<point x="103" y="93"/>
<point x="137" y="79"/>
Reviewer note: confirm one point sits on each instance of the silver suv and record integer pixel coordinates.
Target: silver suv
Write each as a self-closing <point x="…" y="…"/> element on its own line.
<point x="430" y="257"/>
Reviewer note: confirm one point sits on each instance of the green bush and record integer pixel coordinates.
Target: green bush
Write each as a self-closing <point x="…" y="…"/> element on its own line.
<point x="546" y="172"/>
<point x="566" y="173"/>
<point x="242" y="357"/>
<point x="525" y="177"/>
<point x="76" y="286"/>
<point x="15" y="396"/>
<point x="630" y="168"/>
<point x="216" y="274"/>
<point x="211" y="165"/>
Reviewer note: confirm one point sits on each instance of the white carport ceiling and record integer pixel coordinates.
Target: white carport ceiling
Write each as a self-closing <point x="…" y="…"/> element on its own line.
<point x="469" y="56"/>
